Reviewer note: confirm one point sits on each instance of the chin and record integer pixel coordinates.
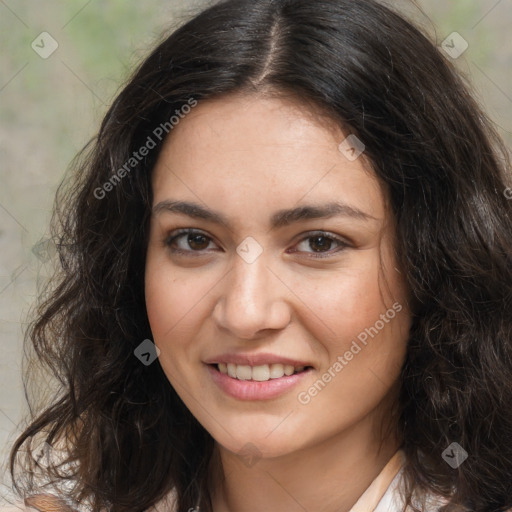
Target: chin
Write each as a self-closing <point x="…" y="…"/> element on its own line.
<point x="266" y="437"/>
<point x="250" y="449"/>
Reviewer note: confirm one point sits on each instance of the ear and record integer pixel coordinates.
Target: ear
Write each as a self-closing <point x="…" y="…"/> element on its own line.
<point x="47" y="503"/>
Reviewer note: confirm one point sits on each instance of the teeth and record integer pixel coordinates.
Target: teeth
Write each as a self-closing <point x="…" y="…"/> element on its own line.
<point x="259" y="373"/>
<point x="231" y="370"/>
<point x="276" y="371"/>
<point x="243" y="372"/>
<point x="288" y="369"/>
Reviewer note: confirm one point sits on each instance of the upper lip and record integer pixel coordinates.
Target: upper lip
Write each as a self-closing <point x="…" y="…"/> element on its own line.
<point x="256" y="360"/>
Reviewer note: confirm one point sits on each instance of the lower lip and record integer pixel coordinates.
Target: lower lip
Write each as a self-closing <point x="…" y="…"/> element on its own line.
<point x="255" y="390"/>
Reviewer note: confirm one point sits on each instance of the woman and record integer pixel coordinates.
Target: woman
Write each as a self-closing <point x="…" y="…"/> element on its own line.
<point x="286" y="277"/>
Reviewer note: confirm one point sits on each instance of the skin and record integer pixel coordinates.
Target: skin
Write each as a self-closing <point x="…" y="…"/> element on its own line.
<point x="247" y="156"/>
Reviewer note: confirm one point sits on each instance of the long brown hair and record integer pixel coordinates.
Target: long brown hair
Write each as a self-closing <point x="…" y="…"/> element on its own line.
<point x="128" y="438"/>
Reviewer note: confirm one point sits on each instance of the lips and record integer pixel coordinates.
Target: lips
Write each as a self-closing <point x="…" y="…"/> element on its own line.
<point x="254" y="389"/>
<point x="257" y="360"/>
<point x="256" y="376"/>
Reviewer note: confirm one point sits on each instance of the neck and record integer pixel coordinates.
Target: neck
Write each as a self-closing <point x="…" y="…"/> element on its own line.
<point x="329" y="476"/>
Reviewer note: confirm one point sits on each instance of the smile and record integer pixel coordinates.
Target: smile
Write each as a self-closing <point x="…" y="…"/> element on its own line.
<point x="261" y="382"/>
<point x="258" y="373"/>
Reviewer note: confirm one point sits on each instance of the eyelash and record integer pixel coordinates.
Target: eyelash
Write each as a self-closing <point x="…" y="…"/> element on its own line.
<point x="172" y="237"/>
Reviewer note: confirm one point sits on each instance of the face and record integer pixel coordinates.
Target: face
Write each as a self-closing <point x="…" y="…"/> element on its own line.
<point x="271" y="257"/>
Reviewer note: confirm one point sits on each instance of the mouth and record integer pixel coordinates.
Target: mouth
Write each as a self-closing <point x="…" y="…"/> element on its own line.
<point x="260" y="382"/>
<point x="259" y="373"/>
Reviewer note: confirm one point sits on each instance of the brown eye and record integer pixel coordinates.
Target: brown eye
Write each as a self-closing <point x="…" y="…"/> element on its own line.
<point x="187" y="241"/>
<point x="322" y="244"/>
<point x="197" y="242"/>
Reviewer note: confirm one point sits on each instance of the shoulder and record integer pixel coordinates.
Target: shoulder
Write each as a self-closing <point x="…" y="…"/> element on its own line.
<point x="167" y="504"/>
<point x="38" y="503"/>
<point x="52" y="503"/>
<point x="392" y="500"/>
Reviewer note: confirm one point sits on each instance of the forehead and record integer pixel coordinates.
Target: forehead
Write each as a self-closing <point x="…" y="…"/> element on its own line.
<point x="255" y="152"/>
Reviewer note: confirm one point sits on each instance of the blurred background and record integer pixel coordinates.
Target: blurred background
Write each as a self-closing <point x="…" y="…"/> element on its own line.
<point x="61" y="64"/>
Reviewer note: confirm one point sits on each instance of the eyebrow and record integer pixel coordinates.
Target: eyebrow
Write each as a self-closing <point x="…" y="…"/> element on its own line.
<point x="279" y="219"/>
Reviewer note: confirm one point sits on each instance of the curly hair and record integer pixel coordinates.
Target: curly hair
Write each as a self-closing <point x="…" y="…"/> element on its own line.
<point x="126" y="435"/>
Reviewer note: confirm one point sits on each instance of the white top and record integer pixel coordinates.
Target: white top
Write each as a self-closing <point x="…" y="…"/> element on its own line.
<point x="383" y="494"/>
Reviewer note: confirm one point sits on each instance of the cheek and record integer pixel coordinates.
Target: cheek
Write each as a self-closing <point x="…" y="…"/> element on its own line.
<point x="339" y="306"/>
<point x="361" y="328"/>
<point x="361" y="317"/>
<point x="170" y="299"/>
<point x="172" y="317"/>
<point x="178" y="304"/>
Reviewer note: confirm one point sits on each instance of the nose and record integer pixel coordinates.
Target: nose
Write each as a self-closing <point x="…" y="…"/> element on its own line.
<point x="252" y="300"/>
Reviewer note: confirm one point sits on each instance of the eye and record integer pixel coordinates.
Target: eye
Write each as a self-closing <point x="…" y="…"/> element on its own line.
<point x="321" y="243"/>
<point x="190" y="241"/>
<point x="187" y="241"/>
